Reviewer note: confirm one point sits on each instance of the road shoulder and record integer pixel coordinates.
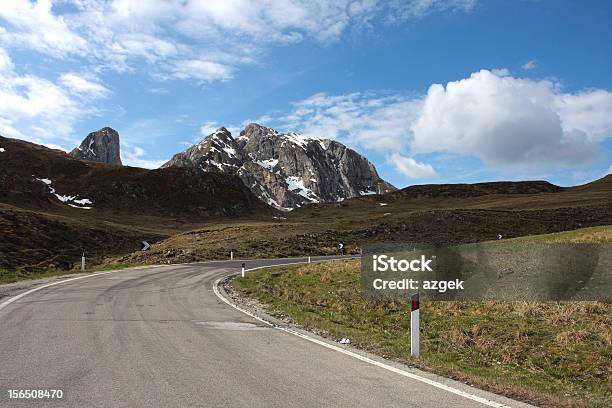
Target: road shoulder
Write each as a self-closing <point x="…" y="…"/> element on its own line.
<point x="224" y="289"/>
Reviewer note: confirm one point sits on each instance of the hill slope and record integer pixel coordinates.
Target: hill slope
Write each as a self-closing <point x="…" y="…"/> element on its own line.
<point x="36" y="177"/>
<point x="53" y="206"/>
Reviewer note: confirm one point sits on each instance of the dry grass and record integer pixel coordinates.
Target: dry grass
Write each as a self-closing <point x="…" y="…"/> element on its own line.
<point x="549" y="353"/>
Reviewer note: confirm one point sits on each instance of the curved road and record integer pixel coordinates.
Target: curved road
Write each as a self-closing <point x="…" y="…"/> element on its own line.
<point x="160" y="337"/>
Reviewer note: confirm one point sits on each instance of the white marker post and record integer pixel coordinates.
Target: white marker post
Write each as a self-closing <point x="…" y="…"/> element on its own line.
<point x="243" y="270"/>
<point x="231" y="255"/>
<point x="308" y="258"/>
<point x="414" y="325"/>
<point x="83" y="262"/>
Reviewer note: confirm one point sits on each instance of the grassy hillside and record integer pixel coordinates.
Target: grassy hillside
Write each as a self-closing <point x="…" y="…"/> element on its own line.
<point x="319" y="234"/>
<point x="192" y="216"/>
<point x="43" y="226"/>
<point x="551" y="353"/>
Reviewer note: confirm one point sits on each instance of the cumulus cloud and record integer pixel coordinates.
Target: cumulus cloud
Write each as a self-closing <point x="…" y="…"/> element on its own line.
<point x="510" y="121"/>
<point x="589" y="112"/>
<point x="506" y="122"/>
<point x="410" y="167"/>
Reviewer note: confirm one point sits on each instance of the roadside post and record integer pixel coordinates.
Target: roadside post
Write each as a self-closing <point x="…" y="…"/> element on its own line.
<point x="414" y="325"/>
<point x="308" y="258"/>
<point x="341" y="248"/>
<point x="243" y="269"/>
<point x="231" y="255"/>
<point x="83" y="262"/>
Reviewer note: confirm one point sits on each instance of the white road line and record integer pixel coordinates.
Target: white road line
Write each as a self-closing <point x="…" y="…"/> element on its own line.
<point x="396" y="370"/>
<point x="37" y="288"/>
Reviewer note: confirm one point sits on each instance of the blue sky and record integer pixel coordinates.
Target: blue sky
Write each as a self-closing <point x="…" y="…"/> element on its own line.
<point x="429" y="90"/>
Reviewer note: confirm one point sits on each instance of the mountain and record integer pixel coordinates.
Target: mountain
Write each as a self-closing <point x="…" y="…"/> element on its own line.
<point x="53" y="206"/>
<point x="34" y="176"/>
<point x="101" y="146"/>
<point x="285" y="170"/>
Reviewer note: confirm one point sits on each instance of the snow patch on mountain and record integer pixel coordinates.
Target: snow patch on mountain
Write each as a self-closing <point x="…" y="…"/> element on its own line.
<point x="285" y="170"/>
<point x="82" y="203"/>
<point x="267" y="164"/>
<point x="296" y="184"/>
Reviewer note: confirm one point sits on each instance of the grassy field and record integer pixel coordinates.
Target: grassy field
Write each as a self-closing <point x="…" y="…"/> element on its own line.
<point x="549" y="353"/>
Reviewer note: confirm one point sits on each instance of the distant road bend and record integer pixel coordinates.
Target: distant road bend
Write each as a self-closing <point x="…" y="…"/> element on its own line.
<point x="161" y="337"/>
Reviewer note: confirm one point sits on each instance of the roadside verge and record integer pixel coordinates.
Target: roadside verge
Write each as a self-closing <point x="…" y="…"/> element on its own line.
<point x="223" y="289"/>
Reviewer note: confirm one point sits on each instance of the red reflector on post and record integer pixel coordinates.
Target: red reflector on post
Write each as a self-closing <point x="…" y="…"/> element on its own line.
<point x="414" y="304"/>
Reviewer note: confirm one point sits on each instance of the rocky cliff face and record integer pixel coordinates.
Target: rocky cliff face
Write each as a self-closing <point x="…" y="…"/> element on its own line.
<point x="101" y="146"/>
<point x="286" y="170"/>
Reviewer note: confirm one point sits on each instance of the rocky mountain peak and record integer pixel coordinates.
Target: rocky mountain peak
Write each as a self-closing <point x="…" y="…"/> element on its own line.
<point x="101" y="146"/>
<point x="286" y="170"/>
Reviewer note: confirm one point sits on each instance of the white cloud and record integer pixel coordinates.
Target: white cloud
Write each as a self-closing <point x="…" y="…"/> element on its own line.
<point x="410" y="167"/>
<point x="82" y="86"/>
<point x="609" y="171"/>
<point x="421" y="8"/>
<point x="531" y="64"/>
<point x="209" y="127"/>
<point x="134" y="156"/>
<point x="5" y="61"/>
<point x="202" y="70"/>
<point x="359" y="119"/>
<point x="191" y="40"/>
<point x="38" y="109"/>
<point x="34" y="24"/>
<point x="508" y="121"/>
<point x="588" y="111"/>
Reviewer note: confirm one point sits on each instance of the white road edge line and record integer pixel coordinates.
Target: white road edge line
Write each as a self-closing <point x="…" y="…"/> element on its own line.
<point x="396" y="370"/>
<point x="37" y="288"/>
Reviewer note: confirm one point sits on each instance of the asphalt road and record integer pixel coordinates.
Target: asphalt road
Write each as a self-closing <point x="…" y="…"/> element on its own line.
<point x="160" y="337"/>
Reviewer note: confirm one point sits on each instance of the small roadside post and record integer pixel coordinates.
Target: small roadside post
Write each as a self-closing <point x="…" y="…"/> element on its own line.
<point x="144" y="246"/>
<point x="341" y="247"/>
<point x="243" y="269"/>
<point x="231" y="255"/>
<point x="83" y="262"/>
<point x="308" y="258"/>
<point x="414" y="325"/>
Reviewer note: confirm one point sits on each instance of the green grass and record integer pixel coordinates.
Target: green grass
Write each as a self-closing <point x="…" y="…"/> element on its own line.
<point x="548" y="353"/>
<point x="599" y="234"/>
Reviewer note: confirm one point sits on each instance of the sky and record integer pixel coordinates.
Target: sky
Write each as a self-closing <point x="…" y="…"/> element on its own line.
<point x="430" y="91"/>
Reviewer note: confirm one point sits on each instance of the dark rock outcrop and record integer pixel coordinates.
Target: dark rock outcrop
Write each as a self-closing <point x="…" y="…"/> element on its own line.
<point x="101" y="146"/>
<point x="285" y="170"/>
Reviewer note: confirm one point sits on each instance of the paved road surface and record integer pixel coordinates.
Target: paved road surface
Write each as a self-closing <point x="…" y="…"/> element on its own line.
<point x="160" y="337"/>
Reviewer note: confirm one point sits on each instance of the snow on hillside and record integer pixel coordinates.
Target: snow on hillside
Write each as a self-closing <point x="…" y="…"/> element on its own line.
<point x="82" y="203"/>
